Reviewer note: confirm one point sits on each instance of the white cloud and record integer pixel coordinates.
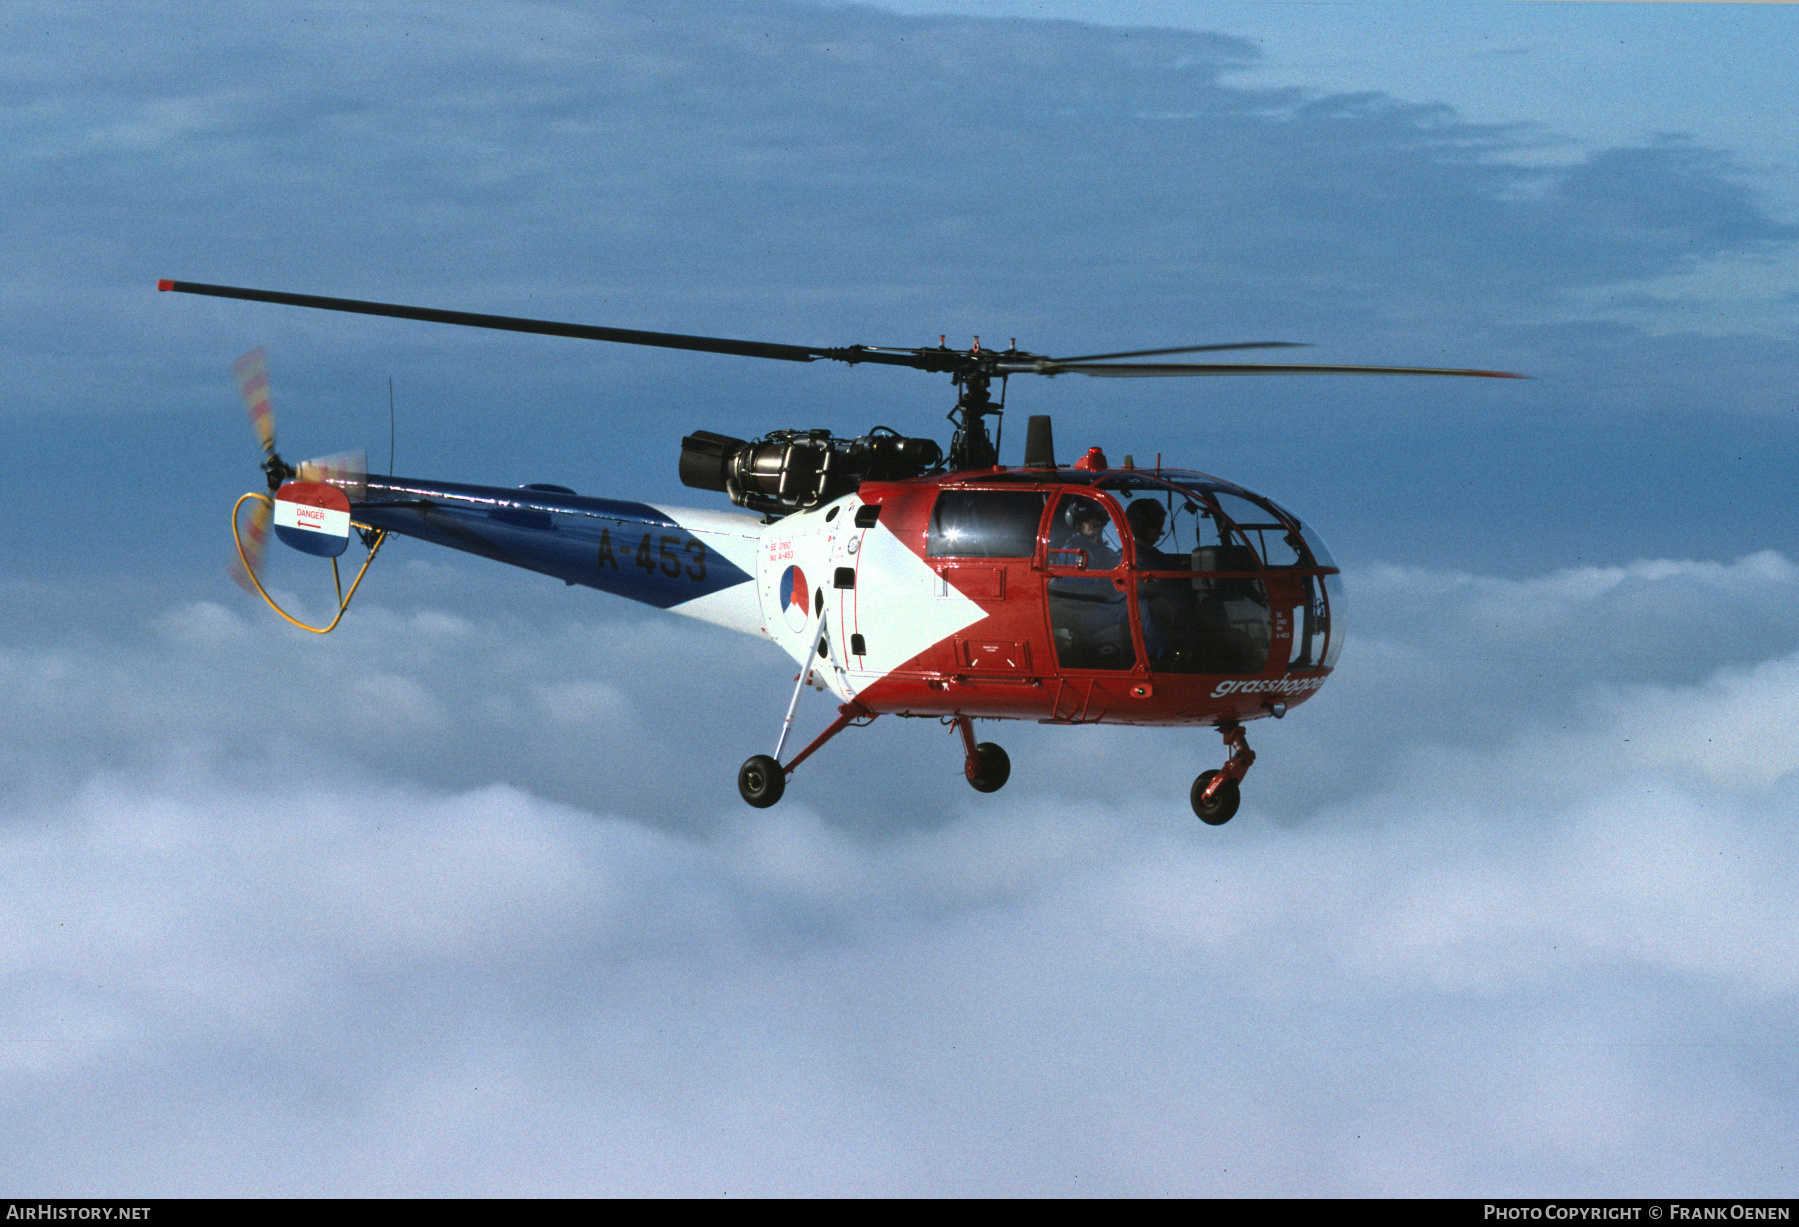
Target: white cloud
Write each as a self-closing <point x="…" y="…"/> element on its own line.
<point x="1529" y="962"/>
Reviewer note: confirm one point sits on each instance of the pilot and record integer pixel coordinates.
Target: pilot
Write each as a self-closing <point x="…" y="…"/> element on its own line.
<point x="1090" y="616"/>
<point x="1088" y="522"/>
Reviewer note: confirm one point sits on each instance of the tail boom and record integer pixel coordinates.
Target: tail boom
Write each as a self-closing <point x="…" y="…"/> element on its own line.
<point x="697" y="563"/>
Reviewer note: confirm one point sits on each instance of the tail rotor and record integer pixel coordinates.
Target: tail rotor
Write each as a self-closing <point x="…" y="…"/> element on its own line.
<point x="347" y="471"/>
<point x="252" y="373"/>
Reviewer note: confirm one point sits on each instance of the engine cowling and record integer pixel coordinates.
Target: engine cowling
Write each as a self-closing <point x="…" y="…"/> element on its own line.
<point x="789" y="470"/>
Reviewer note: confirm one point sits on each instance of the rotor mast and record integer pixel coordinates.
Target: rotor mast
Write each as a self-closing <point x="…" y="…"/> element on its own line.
<point x="971" y="447"/>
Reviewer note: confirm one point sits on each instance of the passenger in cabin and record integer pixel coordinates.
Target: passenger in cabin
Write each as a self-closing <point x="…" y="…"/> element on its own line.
<point x="1169" y="606"/>
<point x="1148" y="520"/>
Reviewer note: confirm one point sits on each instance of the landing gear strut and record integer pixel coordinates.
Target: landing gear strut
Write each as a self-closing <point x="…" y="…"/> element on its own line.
<point x="986" y="765"/>
<point x="761" y="780"/>
<point x="1215" y="794"/>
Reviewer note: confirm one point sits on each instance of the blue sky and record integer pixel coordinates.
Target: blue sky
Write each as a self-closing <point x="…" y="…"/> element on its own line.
<point x="900" y="178"/>
<point x="461" y="900"/>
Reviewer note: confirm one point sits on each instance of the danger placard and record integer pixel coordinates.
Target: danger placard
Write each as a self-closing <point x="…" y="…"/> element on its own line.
<point x="313" y="517"/>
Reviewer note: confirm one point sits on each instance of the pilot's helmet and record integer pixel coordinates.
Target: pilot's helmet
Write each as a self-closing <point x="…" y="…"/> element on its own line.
<point x="1085" y="511"/>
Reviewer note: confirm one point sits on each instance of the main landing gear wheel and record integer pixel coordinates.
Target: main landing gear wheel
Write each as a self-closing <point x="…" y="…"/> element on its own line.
<point x="1223" y="805"/>
<point x="991" y="768"/>
<point x="761" y="781"/>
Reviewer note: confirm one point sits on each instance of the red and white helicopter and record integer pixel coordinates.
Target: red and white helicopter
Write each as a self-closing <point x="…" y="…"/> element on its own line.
<point x="902" y="581"/>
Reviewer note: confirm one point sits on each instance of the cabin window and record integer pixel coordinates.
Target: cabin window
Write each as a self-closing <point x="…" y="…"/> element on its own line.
<point x="1204" y="622"/>
<point x="985" y="524"/>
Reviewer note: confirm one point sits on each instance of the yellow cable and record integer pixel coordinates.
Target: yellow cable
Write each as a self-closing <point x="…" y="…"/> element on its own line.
<point x="343" y="602"/>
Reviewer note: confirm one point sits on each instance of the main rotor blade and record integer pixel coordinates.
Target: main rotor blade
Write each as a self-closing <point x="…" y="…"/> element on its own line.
<point x="973" y="362"/>
<point x="1185" y="349"/>
<point x="1146" y="369"/>
<point x="509" y="323"/>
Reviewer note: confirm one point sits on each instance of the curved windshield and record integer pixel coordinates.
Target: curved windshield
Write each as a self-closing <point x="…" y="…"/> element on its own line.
<point x="1314" y="544"/>
<point x="1200" y="511"/>
<point x="1334" y="610"/>
<point x="1217" y="548"/>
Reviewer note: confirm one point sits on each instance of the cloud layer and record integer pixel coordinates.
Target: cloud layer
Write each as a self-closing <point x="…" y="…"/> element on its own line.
<point x="1544" y="953"/>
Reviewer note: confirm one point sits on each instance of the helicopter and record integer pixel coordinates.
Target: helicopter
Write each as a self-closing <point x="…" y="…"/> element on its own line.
<point x="903" y="579"/>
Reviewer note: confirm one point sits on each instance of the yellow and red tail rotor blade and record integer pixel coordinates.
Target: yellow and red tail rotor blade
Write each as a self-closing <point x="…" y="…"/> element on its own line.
<point x="348" y="471"/>
<point x="253" y="538"/>
<point x="252" y="371"/>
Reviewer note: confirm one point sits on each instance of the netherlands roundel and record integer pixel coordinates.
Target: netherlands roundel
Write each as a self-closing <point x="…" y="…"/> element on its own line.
<point x="796" y="607"/>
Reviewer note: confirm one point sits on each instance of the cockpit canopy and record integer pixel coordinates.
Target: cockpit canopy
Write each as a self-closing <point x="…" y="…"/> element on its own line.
<point x="982" y="519"/>
<point x="1195" y="574"/>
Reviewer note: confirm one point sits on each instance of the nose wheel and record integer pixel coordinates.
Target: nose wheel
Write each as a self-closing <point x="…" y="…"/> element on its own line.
<point x="1215" y="803"/>
<point x="1216" y="794"/>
